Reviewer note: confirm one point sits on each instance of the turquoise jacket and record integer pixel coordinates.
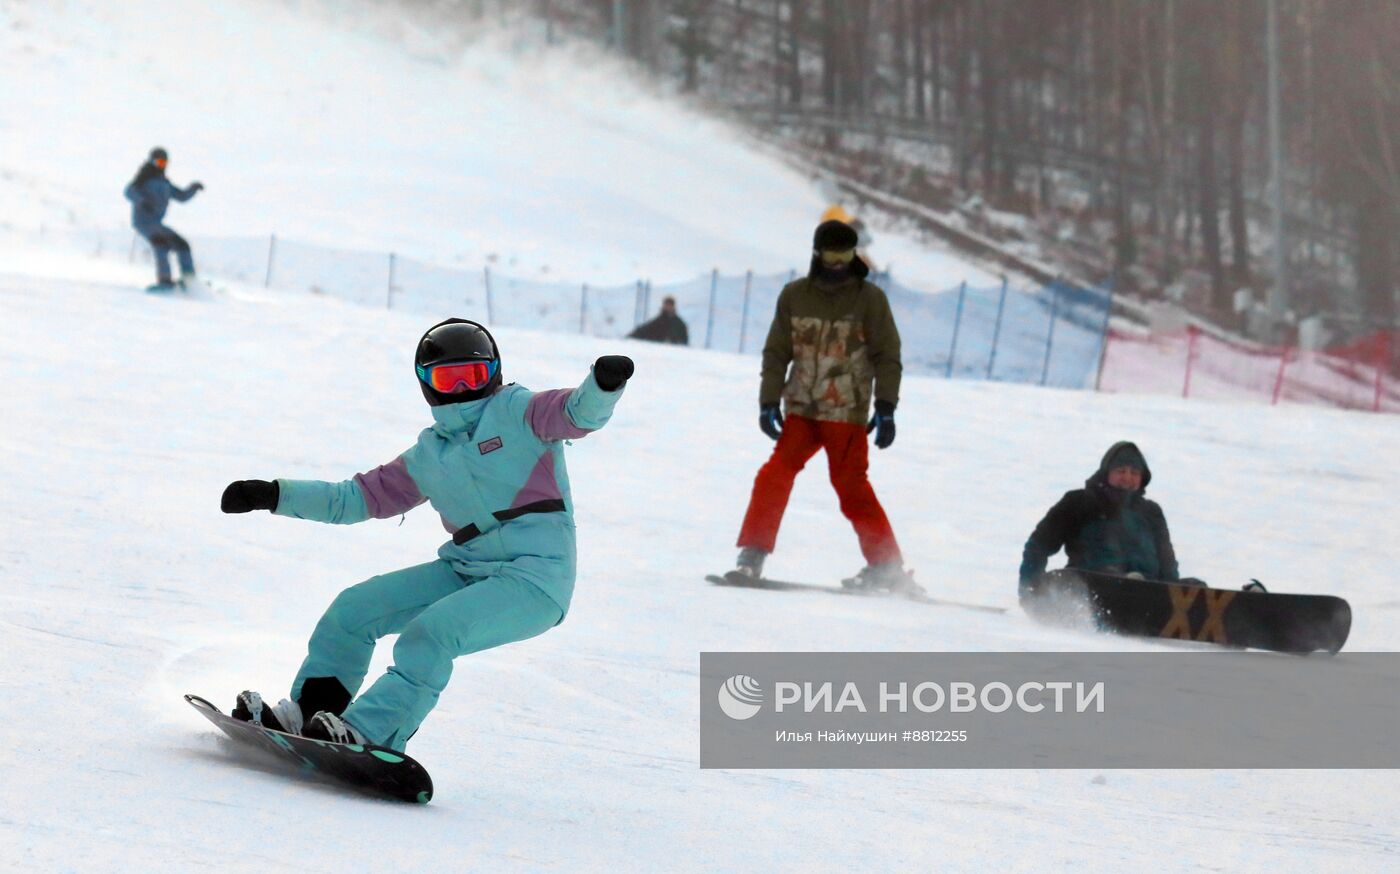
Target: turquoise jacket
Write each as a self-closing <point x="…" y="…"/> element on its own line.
<point x="494" y="471"/>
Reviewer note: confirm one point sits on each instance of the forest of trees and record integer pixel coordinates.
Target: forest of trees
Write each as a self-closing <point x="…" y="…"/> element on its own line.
<point x="1149" y="118"/>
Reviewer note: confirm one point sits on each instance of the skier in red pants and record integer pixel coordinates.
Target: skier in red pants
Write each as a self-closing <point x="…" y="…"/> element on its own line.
<point x="832" y="348"/>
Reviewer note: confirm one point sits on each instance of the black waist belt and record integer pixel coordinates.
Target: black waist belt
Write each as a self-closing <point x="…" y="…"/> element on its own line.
<point x="551" y="505"/>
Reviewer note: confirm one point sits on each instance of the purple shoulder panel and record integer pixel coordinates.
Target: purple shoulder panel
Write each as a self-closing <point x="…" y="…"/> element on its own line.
<point x="389" y="490"/>
<point x="547" y="416"/>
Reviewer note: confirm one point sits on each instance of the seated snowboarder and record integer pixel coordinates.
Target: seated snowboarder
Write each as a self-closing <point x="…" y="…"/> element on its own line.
<point x="1107" y="526"/>
<point x="667" y="327"/>
<point x="492" y="466"/>
<point x="150" y="193"/>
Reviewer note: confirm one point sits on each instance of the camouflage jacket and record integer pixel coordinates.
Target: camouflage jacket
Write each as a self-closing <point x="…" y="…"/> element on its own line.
<point x="830" y="349"/>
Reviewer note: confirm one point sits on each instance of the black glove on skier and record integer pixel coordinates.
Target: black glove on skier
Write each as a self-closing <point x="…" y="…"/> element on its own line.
<point x="611" y="371"/>
<point x="250" y="494"/>
<point x="770" y="420"/>
<point x="882" y="423"/>
<point x="196" y="186"/>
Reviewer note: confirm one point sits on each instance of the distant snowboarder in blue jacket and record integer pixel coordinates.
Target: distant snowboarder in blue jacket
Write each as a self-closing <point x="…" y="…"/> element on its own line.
<point x="492" y="466"/>
<point x="150" y="193"/>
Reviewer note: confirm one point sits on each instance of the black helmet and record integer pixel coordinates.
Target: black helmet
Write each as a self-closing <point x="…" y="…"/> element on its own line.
<point x="457" y="341"/>
<point x="158" y="154"/>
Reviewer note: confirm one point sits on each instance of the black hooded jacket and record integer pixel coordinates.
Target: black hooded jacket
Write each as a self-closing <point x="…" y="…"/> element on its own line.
<point x="1104" y="529"/>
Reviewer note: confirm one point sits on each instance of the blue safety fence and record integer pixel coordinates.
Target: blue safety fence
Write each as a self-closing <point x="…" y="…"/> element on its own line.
<point x="1047" y="335"/>
<point x="1044" y="335"/>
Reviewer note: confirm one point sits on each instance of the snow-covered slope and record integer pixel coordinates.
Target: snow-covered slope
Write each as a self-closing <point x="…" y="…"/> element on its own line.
<point x="352" y="125"/>
<point x="122" y="586"/>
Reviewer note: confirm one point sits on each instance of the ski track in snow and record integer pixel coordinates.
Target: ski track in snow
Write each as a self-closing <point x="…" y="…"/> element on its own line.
<point x="122" y="586"/>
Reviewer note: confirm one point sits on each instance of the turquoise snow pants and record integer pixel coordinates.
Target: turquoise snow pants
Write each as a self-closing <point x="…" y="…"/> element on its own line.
<point x="438" y="615"/>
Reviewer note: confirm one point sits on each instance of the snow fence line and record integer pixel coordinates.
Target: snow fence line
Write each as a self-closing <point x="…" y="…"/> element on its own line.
<point x="1055" y="334"/>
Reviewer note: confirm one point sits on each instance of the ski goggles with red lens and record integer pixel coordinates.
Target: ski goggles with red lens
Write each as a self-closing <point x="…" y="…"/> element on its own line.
<point x="458" y="376"/>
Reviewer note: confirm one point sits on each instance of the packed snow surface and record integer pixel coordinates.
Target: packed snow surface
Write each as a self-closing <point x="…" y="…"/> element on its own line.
<point x="122" y="586"/>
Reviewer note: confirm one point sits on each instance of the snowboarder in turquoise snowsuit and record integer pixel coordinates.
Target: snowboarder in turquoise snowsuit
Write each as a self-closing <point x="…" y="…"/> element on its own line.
<point x="492" y="466"/>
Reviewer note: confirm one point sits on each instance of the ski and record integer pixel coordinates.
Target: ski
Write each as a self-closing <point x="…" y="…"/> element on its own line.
<point x="743" y="581"/>
<point x="369" y="768"/>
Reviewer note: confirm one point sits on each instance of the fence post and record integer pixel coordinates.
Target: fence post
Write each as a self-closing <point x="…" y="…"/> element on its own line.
<point x="490" y="313"/>
<point x="710" y="322"/>
<point x="1192" y="332"/>
<point x="1050" y="335"/>
<point x="271" y="255"/>
<point x="1103" y="337"/>
<point x="583" y="310"/>
<point x="996" y="331"/>
<point x="646" y="296"/>
<point x="1278" y="380"/>
<point x="637" y="312"/>
<point x="389" y="295"/>
<point x="744" y="319"/>
<point x="957" y="324"/>
<point x="1382" y="362"/>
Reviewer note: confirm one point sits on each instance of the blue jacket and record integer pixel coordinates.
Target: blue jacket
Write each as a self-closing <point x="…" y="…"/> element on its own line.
<point x="494" y="471"/>
<point x="150" y="193"/>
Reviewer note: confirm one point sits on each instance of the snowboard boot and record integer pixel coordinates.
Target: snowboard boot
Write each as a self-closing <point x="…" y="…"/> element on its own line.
<point x="285" y="717"/>
<point x="890" y="577"/>
<point x="750" y="562"/>
<point x="327" y="726"/>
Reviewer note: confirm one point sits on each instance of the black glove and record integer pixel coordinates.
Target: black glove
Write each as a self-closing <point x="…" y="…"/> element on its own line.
<point x="611" y="371"/>
<point x="770" y="419"/>
<point x="196" y="186"/>
<point x="882" y="423"/>
<point x="250" y="494"/>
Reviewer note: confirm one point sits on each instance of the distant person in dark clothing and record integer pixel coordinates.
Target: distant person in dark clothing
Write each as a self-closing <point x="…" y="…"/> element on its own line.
<point x="150" y="193"/>
<point x="665" y="328"/>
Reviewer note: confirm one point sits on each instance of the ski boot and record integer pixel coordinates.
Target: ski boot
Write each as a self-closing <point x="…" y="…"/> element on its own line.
<point x="888" y="577"/>
<point x="285" y="717"/>
<point x="750" y="562"/>
<point x="164" y="286"/>
<point x="327" y="726"/>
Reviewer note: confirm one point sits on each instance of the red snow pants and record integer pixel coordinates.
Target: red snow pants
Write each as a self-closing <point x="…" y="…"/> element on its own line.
<point x="848" y="457"/>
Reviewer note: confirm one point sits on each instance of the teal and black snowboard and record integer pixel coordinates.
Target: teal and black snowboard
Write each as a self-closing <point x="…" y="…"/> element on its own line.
<point x="373" y="769"/>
